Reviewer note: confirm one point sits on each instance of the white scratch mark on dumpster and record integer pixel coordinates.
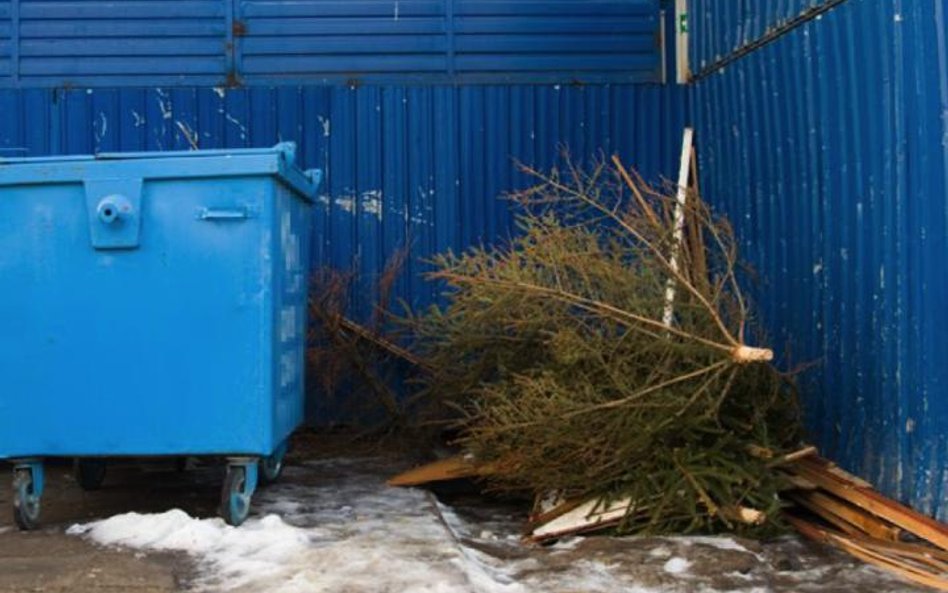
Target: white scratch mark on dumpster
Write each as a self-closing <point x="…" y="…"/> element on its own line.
<point x="287" y="323"/>
<point x="139" y="120"/>
<point x="396" y="10"/>
<point x="221" y="91"/>
<point x="290" y="243"/>
<point x="372" y="202"/>
<point x="289" y="369"/>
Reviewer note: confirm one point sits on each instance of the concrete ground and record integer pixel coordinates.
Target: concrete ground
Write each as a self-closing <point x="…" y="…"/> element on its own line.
<point x="49" y="560"/>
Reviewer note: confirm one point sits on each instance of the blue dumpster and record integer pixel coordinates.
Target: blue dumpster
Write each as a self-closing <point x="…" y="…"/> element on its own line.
<point x="152" y="304"/>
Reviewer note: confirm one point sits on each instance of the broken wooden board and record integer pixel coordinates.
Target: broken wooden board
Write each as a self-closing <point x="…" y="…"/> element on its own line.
<point x="841" y="514"/>
<point x="591" y="515"/>
<point x="442" y="470"/>
<point x="832" y="479"/>
<point x="913" y="562"/>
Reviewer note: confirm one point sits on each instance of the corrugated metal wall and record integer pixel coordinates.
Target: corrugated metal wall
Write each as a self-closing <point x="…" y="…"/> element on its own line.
<point x="829" y="150"/>
<point x="82" y="43"/>
<point x="719" y="28"/>
<point x="421" y="166"/>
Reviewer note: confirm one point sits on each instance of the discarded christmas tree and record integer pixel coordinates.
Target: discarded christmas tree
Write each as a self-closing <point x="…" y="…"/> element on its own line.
<point x="603" y="352"/>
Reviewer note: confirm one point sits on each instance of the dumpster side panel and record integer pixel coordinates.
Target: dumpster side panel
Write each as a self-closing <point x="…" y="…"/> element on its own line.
<point x="290" y="280"/>
<point x="138" y="351"/>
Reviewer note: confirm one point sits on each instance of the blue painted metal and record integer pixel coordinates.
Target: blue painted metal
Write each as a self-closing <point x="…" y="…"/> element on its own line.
<point x="67" y="43"/>
<point x="188" y="340"/>
<point x="240" y="484"/>
<point x="417" y="166"/>
<point x="829" y="151"/>
<point x="717" y="29"/>
<point x="38" y="474"/>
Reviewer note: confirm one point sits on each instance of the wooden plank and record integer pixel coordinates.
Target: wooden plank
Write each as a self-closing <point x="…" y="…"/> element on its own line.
<point x="855" y="516"/>
<point x="592" y="514"/>
<point x="684" y="175"/>
<point x="834" y="520"/>
<point x="452" y="468"/>
<point x="815" y="470"/>
<point x="907" y="571"/>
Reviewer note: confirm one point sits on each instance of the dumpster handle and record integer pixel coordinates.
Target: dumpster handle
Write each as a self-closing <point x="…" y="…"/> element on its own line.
<point x="223" y="214"/>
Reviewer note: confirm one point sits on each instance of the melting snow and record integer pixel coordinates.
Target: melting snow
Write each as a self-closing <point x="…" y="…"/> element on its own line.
<point x="335" y="526"/>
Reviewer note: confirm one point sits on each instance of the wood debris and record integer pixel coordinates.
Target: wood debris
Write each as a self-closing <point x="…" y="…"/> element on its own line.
<point x="442" y="470"/>
<point x="844" y="511"/>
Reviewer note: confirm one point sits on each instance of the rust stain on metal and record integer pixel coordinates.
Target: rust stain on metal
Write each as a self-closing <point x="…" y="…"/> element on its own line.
<point x="239" y="28"/>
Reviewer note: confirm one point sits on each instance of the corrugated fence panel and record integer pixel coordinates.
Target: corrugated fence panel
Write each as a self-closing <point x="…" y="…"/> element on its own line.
<point x="342" y="38"/>
<point x="421" y="167"/>
<point x="558" y="38"/>
<point x="137" y="42"/>
<point x="719" y="28"/>
<point x="829" y="149"/>
<point x="103" y="43"/>
<point x="6" y="42"/>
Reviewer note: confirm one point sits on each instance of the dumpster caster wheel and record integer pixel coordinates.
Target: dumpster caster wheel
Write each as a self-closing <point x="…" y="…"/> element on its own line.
<point x="239" y="485"/>
<point x="27" y="490"/>
<point x="90" y="473"/>
<point x="271" y="468"/>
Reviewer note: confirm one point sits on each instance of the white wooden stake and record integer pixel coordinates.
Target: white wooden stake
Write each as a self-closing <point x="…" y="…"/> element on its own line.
<point x="684" y="174"/>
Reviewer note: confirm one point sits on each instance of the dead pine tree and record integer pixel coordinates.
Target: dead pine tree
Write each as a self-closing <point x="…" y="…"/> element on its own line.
<point x="567" y="374"/>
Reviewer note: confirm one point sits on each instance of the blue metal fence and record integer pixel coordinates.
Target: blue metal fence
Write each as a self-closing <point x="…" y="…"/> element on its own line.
<point x="418" y="166"/>
<point x="721" y="28"/>
<point x="829" y="150"/>
<point x="70" y="43"/>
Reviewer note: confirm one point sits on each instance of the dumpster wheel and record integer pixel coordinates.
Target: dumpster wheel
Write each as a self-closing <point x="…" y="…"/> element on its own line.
<point x="26" y="503"/>
<point x="271" y="467"/>
<point x="239" y="485"/>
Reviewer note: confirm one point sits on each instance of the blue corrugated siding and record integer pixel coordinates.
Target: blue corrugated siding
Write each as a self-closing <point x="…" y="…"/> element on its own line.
<point x="719" y="28"/>
<point x="422" y="166"/>
<point x="829" y="150"/>
<point x="6" y="42"/>
<point x="82" y="43"/>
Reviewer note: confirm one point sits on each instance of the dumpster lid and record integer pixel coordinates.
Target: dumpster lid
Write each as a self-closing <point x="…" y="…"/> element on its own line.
<point x="280" y="160"/>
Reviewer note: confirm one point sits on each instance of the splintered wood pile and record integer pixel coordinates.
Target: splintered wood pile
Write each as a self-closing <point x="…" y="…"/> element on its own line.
<point x="841" y="510"/>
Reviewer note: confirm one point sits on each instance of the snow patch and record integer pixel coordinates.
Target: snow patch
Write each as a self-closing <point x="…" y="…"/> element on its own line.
<point x="677" y="565"/>
<point x="354" y="536"/>
<point x="659" y="552"/>
<point x="720" y="542"/>
<point x="260" y="549"/>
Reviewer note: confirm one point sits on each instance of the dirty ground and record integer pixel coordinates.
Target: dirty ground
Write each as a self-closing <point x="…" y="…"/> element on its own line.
<point x="331" y="524"/>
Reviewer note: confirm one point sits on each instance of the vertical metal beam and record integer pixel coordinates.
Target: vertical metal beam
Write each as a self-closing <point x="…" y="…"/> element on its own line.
<point x="682" y="69"/>
<point x="231" y="24"/>
<point x="449" y="30"/>
<point x="662" y="42"/>
<point x="15" y="42"/>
